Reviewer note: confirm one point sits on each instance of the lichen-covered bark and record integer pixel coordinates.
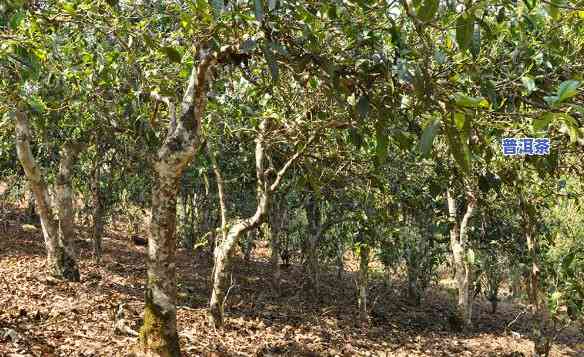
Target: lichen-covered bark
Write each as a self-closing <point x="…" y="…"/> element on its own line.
<point x="158" y="335"/>
<point x="57" y="233"/>
<point x="459" y="247"/>
<point x="159" y="332"/>
<point x="221" y="270"/>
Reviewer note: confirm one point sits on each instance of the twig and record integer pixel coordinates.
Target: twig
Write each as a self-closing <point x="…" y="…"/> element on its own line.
<point x="228" y="290"/>
<point x="514" y="320"/>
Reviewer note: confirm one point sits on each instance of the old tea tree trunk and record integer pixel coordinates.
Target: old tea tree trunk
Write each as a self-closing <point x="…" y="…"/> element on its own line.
<point x="57" y="229"/>
<point x="158" y="336"/>
<point x="460" y="253"/>
<point x="233" y="231"/>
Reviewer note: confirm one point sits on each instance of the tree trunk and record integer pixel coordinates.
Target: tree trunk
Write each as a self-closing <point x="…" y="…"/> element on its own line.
<point x="413" y="289"/>
<point x="97" y="204"/>
<point x="459" y="246"/>
<point x="56" y="232"/>
<point x="363" y="281"/>
<point x="231" y="234"/>
<point x="158" y="336"/>
<point x="64" y="202"/>
<point x="311" y="245"/>
<point x="275" y="229"/>
<point x="543" y="334"/>
<point x="159" y="333"/>
<point x="272" y="233"/>
<point x="224" y="250"/>
<point x="532" y="249"/>
<point x="340" y="256"/>
<point x="221" y="270"/>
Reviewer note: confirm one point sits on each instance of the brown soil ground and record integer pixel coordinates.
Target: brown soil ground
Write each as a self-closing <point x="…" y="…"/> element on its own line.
<point x="53" y="318"/>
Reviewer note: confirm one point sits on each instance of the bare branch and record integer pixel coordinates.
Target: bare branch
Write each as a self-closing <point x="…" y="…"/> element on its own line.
<point x="290" y="161"/>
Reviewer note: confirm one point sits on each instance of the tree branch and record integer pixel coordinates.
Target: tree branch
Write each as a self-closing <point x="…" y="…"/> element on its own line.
<point x="290" y="161"/>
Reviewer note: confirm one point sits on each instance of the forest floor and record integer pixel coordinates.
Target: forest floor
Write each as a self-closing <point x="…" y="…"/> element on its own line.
<point x="40" y="316"/>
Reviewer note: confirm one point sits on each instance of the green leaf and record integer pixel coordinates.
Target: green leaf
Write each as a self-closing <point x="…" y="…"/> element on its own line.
<point x="554" y="10"/>
<point x="529" y="84"/>
<point x="363" y="106"/>
<point x="428" y="10"/>
<point x="459" y="119"/>
<point x="259" y="10"/>
<point x="551" y="100"/>
<point x="217" y="6"/>
<point x="459" y="149"/>
<point x="470" y="256"/>
<point x="466" y="101"/>
<point x="475" y="46"/>
<point x="530" y="4"/>
<point x="567" y="90"/>
<point x="464" y="31"/>
<point x="16" y="20"/>
<point x="149" y="41"/>
<point x="37" y="104"/>
<point x="428" y="136"/>
<point x="172" y="54"/>
<point x="543" y="122"/>
<point x="567" y="261"/>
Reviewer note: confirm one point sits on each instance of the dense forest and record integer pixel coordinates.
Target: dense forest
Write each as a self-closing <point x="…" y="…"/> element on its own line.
<point x="291" y="178"/>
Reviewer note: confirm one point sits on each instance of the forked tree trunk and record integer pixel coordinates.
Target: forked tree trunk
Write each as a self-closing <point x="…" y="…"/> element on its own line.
<point x="460" y="251"/>
<point x="158" y="336"/>
<point x="224" y="250"/>
<point x="363" y="281"/>
<point x="57" y="231"/>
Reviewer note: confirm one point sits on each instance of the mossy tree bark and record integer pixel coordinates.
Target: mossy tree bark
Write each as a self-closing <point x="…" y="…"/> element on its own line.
<point x="57" y="228"/>
<point x="158" y="336"/>
<point x="460" y="251"/>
